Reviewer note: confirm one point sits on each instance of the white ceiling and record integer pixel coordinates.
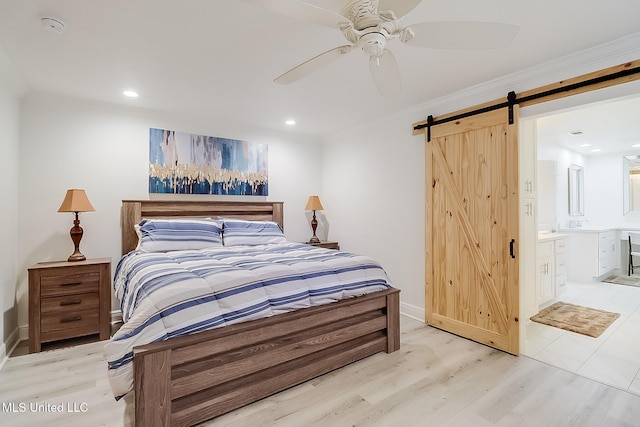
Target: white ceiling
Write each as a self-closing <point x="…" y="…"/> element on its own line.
<point x="219" y="57"/>
<point x="596" y="129"/>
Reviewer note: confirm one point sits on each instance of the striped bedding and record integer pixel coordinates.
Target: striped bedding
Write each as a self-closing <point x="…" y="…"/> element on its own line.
<point x="164" y="295"/>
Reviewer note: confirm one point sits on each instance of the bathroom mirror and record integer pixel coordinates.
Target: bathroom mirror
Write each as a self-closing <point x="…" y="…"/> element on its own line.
<point x="631" y="183"/>
<point x="576" y="190"/>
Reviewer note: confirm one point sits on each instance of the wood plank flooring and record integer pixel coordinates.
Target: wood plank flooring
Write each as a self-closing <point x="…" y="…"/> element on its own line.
<point x="436" y="379"/>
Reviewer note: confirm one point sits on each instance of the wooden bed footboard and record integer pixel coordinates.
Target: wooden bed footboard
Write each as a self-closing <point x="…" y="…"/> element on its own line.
<point x="190" y="379"/>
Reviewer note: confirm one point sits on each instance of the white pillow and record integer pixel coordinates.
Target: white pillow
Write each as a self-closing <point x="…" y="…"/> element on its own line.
<point x="164" y="235"/>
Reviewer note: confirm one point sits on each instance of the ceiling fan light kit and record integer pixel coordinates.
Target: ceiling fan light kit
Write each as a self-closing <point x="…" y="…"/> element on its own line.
<point x="370" y="24"/>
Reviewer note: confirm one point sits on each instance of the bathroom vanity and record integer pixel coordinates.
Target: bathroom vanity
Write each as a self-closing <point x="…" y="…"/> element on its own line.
<point x="551" y="275"/>
<point x="592" y="253"/>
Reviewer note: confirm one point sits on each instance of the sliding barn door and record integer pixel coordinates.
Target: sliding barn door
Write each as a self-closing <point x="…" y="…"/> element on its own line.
<point x="472" y="287"/>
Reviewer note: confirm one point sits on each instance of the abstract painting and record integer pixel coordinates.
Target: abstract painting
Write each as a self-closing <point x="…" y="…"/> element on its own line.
<point x="184" y="163"/>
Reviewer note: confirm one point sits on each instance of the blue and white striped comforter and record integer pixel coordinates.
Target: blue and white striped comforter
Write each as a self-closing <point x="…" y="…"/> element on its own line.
<point x="164" y="295"/>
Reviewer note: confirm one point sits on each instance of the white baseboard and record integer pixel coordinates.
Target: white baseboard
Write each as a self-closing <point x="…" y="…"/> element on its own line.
<point x="7" y="347"/>
<point x="412" y="311"/>
<point x="23" y="333"/>
<point x="3" y="355"/>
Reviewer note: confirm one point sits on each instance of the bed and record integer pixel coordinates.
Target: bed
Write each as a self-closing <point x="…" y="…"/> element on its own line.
<point x="184" y="380"/>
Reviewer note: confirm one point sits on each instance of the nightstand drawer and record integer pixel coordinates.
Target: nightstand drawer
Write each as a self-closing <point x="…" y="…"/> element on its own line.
<point x="69" y="284"/>
<point x="70" y="303"/>
<point x="67" y="319"/>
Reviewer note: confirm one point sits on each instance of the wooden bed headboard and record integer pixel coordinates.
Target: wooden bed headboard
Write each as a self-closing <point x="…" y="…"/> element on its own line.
<point x="133" y="211"/>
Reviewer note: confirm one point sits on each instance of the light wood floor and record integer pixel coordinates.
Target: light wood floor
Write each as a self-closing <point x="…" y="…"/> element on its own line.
<point x="436" y="379"/>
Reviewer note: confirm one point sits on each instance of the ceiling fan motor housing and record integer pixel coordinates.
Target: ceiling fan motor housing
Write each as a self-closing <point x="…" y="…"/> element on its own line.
<point x="373" y="44"/>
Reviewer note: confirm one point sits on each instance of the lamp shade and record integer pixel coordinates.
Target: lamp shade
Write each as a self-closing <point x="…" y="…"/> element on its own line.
<point x="76" y="201"/>
<point x="314" y="204"/>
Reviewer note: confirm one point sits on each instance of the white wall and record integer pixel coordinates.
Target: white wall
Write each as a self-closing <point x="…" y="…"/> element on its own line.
<point x="68" y="143"/>
<point x="9" y="143"/>
<point x="604" y="192"/>
<point x="547" y="150"/>
<point x="373" y="181"/>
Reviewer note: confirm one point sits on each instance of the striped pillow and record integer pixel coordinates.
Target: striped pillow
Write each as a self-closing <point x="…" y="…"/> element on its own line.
<point x="164" y="235"/>
<point x="238" y="232"/>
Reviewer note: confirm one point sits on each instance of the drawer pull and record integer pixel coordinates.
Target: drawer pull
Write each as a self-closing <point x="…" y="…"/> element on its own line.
<point x="75" y="302"/>
<point x="71" y="284"/>
<point x="70" y="319"/>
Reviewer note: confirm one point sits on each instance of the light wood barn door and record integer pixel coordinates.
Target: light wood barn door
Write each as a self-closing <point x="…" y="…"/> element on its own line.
<point x="472" y="287"/>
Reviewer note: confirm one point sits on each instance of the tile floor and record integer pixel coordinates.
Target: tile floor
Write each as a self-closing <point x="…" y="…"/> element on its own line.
<point x="614" y="357"/>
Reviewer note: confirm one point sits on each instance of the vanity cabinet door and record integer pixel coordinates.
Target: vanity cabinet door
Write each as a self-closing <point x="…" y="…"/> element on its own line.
<point x="560" y="267"/>
<point x="546" y="272"/>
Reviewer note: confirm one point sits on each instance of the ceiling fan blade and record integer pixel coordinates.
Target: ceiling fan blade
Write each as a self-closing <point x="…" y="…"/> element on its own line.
<point x="462" y="35"/>
<point x="313" y="65"/>
<point x="386" y="74"/>
<point x="303" y="11"/>
<point x="398" y="7"/>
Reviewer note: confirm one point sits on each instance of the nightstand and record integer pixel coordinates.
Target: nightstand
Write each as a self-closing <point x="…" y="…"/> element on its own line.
<point x="326" y="245"/>
<point x="68" y="300"/>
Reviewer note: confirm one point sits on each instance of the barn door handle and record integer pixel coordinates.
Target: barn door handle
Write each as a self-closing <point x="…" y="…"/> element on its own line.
<point x="511" y="248"/>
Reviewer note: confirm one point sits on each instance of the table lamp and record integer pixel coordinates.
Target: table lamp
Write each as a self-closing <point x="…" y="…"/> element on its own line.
<point x="314" y="205"/>
<point x="76" y="201"/>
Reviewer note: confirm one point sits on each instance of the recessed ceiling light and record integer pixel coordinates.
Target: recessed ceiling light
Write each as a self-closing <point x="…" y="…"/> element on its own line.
<point x="585" y="145"/>
<point x="596" y="150"/>
<point x="130" y="93"/>
<point x="635" y="145"/>
<point x="290" y="122"/>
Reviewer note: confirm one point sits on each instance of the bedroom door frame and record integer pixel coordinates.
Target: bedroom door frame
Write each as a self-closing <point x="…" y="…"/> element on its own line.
<point x="605" y="78"/>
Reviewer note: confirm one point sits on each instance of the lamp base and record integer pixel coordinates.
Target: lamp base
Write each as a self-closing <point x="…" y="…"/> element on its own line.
<point x="76" y="235"/>
<point x="314" y="226"/>
<point x="76" y="256"/>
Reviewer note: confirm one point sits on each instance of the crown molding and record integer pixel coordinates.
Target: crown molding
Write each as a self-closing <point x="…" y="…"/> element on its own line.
<point x="582" y="62"/>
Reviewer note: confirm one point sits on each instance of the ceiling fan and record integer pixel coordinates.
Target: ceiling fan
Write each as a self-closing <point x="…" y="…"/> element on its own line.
<point x="371" y="24"/>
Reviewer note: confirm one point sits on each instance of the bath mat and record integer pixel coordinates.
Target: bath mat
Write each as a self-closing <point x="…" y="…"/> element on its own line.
<point x="623" y="280"/>
<point x="575" y="318"/>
